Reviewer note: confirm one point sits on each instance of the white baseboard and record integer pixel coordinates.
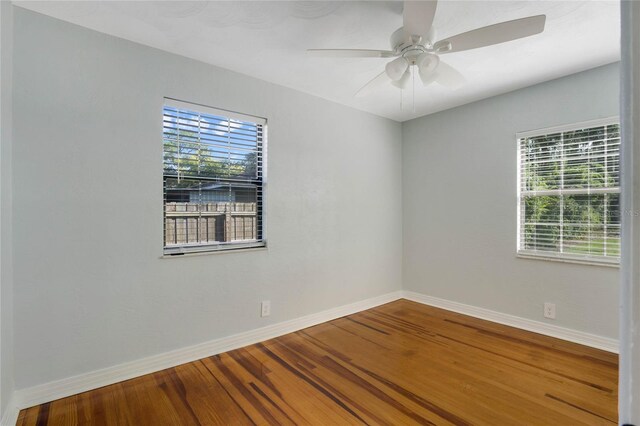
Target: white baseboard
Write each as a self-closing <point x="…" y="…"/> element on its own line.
<point x="10" y="416"/>
<point x="47" y="392"/>
<point x="587" y="339"/>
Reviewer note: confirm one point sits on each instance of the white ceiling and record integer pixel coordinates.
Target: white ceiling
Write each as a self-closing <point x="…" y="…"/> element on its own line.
<point x="267" y="40"/>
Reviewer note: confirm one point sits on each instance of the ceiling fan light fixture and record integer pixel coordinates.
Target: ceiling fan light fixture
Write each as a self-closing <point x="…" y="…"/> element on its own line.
<point x="403" y="82"/>
<point x="397" y="68"/>
<point x="427" y="63"/>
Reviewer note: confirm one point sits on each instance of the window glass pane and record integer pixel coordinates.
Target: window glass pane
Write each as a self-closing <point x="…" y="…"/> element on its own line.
<point x="576" y="174"/>
<point x="613" y="156"/>
<point x="584" y="240"/>
<point x="569" y="193"/>
<point x="542" y="237"/>
<point x="213" y="170"/>
<point x="543" y="175"/>
<point x="583" y="209"/>
<point x="204" y="145"/>
<point x="583" y="143"/>
<point x="583" y="230"/>
<point x="542" y="161"/>
<point x="202" y="212"/>
<point x="612" y="225"/>
<point x="612" y="242"/>
<point x="542" y="209"/>
<point x="613" y="209"/>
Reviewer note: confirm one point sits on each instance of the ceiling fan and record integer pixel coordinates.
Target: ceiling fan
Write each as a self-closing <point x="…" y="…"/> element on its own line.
<point x="414" y="44"/>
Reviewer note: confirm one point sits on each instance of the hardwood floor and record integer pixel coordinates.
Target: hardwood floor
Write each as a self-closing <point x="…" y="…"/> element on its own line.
<point x="398" y="364"/>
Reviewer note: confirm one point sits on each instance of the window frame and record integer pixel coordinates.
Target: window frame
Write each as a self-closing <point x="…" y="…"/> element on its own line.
<point x="556" y="256"/>
<point x="261" y="217"/>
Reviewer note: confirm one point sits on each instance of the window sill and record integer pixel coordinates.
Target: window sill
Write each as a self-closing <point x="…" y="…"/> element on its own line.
<point x="218" y="251"/>
<point x="567" y="260"/>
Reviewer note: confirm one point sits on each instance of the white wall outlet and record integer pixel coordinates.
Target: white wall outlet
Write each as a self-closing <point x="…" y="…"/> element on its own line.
<point x="266" y="308"/>
<point x="550" y="310"/>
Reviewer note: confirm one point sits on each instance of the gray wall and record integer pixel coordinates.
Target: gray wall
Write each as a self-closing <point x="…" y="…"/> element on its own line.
<point x="87" y="130"/>
<point x="90" y="288"/>
<point x="459" y="206"/>
<point x="6" y="272"/>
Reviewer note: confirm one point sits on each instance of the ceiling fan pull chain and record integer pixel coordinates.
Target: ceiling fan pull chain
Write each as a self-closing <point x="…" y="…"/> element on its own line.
<point x="413" y="77"/>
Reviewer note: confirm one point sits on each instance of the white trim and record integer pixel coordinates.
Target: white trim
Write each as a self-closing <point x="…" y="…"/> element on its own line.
<point x="180" y="250"/>
<point x="569" y="127"/>
<point x="629" y="290"/>
<point x="10" y="417"/>
<point x="206" y="253"/>
<point x="218" y="112"/>
<point x="40" y="394"/>
<point x="572" y="191"/>
<point x="567" y="258"/>
<point x="587" y="339"/>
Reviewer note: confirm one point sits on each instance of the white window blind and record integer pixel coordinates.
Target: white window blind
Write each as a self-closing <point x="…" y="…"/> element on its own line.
<point x="214" y="179"/>
<point x="569" y="192"/>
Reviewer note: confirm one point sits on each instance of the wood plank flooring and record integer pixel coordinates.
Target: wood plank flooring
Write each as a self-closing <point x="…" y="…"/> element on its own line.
<point x="398" y="364"/>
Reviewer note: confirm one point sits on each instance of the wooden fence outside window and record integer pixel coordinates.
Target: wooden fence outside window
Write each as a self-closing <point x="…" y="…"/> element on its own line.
<point x="207" y="223"/>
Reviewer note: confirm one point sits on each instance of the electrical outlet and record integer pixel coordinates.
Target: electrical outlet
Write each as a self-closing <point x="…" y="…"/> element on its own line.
<point x="550" y="310"/>
<point x="266" y="308"/>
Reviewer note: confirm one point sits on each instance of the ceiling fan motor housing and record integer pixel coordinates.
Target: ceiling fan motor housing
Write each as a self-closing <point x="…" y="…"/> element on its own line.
<point x="400" y="40"/>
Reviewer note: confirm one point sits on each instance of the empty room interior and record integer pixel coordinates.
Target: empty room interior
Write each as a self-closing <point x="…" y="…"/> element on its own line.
<point x="319" y="213"/>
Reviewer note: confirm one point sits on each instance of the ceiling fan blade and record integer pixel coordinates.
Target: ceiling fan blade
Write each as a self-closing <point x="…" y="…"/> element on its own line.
<point x="448" y="76"/>
<point x="495" y="34"/>
<point x="351" y="53"/>
<point x="418" y="16"/>
<point x="373" y="84"/>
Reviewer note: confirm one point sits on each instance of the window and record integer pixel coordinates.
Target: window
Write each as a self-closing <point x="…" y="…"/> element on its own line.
<point x="214" y="179"/>
<point x="569" y="192"/>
